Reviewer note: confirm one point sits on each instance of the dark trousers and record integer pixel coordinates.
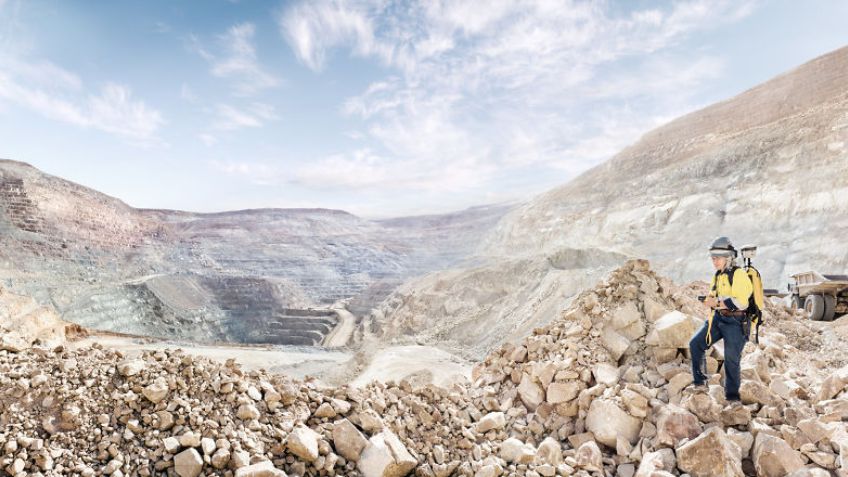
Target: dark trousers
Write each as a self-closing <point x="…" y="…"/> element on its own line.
<point x="729" y="329"/>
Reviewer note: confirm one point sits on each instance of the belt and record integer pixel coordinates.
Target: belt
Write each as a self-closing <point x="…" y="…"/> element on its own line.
<point x="735" y="314"/>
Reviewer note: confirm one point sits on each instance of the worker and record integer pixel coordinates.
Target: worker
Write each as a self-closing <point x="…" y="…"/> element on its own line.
<point x="730" y="291"/>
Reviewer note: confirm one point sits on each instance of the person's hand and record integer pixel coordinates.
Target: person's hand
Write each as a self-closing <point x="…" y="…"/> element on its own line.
<point x="711" y="301"/>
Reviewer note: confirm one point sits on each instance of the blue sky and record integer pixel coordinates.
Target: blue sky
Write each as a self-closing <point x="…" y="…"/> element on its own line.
<point x="377" y="107"/>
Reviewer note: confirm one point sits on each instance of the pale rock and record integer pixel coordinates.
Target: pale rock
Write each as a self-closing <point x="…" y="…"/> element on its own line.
<point x="677" y="383"/>
<point x="190" y="439"/>
<point x="385" y="456"/>
<point x="710" y="454"/>
<point x="674" y="424"/>
<point x="735" y="415"/>
<point x="605" y="374"/>
<point x="657" y="464"/>
<point x="513" y="450"/>
<point x="614" y="342"/>
<point x="637" y="404"/>
<point x="347" y="440"/>
<point x="833" y="385"/>
<point x="188" y="463"/>
<point x="531" y="393"/>
<point x="744" y="440"/>
<point x="663" y="355"/>
<point x="810" y="472"/>
<point x="303" y="442"/>
<point x="156" y="391"/>
<point x="325" y="410"/>
<point x="220" y="458"/>
<point x="130" y="367"/>
<point x="703" y="406"/>
<point x="518" y="355"/>
<point x="208" y="446"/>
<point x="492" y="420"/>
<point x="773" y="457"/>
<point x="757" y="392"/>
<point x="247" y="412"/>
<point x="254" y="393"/>
<point x="261" y="469"/>
<point x="653" y="310"/>
<point x="563" y="392"/>
<point x="815" y="430"/>
<point x="488" y="470"/>
<point x="589" y="457"/>
<point x="606" y="420"/>
<point x="171" y="444"/>
<point x="674" y="330"/>
<point x="549" y="452"/>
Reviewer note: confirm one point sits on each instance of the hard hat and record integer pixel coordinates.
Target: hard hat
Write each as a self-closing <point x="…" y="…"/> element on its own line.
<point x="722" y="247"/>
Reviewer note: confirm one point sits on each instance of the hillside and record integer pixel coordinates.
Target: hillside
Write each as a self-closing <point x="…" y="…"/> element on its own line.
<point x="766" y="167"/>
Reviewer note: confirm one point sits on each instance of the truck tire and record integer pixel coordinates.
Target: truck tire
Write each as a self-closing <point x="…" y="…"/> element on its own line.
<point x="829" y="308"/>
<point x="797" y="303"/>
<point x="814" y="305"/>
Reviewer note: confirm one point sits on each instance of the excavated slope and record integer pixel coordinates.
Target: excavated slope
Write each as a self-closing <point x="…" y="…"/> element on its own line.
<point x="766" y="167"/>
<point x="209" y="277"/>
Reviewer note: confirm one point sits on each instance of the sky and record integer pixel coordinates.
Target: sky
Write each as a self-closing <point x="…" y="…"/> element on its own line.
<point x="377" y="107"/>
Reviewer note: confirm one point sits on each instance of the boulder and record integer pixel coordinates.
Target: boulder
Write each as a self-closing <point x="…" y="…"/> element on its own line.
<point x="589" y="457"/>
<point x="513" y="450"/>
<point x="492" y="420"/>
<point x="549" y="452"/>
<point x="675" y="424"/>
<point x="605" y="374"/>
<point x="563" y="392"/>
<point x="262" y="469"/>
<point x="188" y="463"/>
<point x="614" y="342"/>
<point x="156" y="391"/>
<point x="130" y="367"/>
<point x="347" y="440"/>
<point x="530" y="392"/>
<point x="833" y="385"/>
<point x="606" y="420"/>
<point x="385" y="456"/>
<point x="657" y="464"/>
<point x="711" y="453"/>
<point x="674" y="330"/>
<point x="773" y="457"/>
<point x="247" y="412"/>
<point x="757" y="392"/>
<point x="303" y="442"/>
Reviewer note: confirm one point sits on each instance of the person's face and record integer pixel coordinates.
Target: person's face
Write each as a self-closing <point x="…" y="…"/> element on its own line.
<point x="719" y="262"/>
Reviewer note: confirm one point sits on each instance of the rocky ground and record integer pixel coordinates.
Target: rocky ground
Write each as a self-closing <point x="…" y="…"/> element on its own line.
<point x="600" y="390"/>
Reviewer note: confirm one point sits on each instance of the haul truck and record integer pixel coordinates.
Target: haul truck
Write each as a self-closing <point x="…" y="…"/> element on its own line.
<point x="824" y="297"/>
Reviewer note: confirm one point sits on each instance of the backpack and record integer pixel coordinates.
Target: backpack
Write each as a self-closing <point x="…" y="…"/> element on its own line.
<point x="756" y="302"/>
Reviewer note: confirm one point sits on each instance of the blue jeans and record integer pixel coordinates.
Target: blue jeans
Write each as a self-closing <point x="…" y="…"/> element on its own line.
<point x="729" y="329"/>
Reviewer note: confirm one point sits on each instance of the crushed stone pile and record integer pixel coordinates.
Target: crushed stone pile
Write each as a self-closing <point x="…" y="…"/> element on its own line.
<point x="602" y="390"/>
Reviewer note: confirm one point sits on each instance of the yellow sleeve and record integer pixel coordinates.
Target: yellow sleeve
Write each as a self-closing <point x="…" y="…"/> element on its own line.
<point x="742" y="288"/>
<point x="712" y="287"/>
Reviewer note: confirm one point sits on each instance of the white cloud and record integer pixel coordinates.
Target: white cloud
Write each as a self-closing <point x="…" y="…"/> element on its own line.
<point x="229" y="118"/>
<point x="514" y="85"/>
<point x="58" y="94"/>
<point x="237" y="60"/>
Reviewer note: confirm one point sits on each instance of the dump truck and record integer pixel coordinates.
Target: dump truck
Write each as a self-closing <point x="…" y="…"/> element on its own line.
<point x="824" y="297"/>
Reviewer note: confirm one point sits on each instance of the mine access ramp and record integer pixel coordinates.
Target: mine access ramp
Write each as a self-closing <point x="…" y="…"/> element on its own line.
<point x="824" y="297"/>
